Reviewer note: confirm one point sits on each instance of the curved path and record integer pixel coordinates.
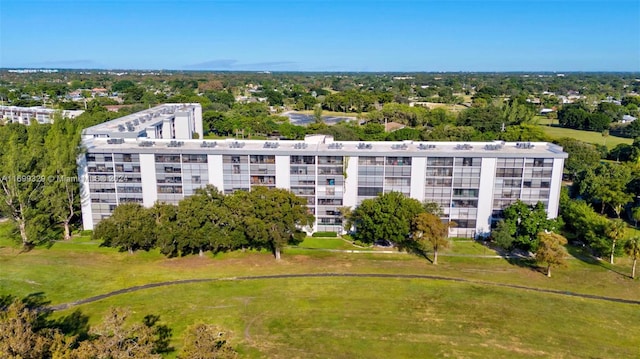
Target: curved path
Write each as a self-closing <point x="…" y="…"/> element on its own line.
<point x="346" y="275"/>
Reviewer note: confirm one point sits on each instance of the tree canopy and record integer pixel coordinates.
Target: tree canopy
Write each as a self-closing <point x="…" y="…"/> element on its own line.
<point x="386" y="218"/>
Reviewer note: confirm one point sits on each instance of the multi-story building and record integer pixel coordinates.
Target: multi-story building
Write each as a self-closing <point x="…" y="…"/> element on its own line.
<point x="131" y="160"/>
<point x="24" y="115"/>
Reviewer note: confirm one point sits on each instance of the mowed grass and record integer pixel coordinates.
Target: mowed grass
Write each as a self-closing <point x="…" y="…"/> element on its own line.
<point x="585" y="136"/>
<point x="342" y="317"/>
<point x="390" y="318"/>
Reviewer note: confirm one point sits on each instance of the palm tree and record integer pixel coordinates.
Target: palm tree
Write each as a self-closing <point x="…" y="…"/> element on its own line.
<point x="632" y="248"/>
<point x="615" y="231"/>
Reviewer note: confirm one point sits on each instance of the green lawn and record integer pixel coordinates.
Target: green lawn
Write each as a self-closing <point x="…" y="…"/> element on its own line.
<point x="349" y="317"/>
<point x="586" y="136"/>
<point x="391" y="318"/>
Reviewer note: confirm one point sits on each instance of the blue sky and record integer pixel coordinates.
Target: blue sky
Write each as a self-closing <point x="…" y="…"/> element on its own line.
<point x="322" y="35"/>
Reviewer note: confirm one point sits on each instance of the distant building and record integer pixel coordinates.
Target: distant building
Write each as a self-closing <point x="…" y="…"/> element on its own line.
<point x="628" y="118"/>
<point x="24" y="115"/>
<point x="150" y="157"/>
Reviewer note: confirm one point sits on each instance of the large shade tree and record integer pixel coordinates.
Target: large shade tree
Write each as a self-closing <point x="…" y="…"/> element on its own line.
<point x="129" y="228"/>
<point x="273" y="217"/>
<point x="385" y="218"/>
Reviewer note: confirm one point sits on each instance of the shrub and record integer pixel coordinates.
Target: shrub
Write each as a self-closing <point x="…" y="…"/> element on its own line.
<point x="324" y="234"/>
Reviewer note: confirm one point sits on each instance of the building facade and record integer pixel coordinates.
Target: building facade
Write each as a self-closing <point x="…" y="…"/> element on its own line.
<point x="24" y="115"/>
<point x="472" y="181"/>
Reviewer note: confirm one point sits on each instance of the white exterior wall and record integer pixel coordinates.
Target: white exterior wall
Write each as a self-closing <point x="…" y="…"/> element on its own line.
<point x="283" y="172"/>
<point x="148" y="177"/>
<point x="418" y="171"/>
<point x="182" y="126"/>
<point x="215" y="171"/>
<point x="167" y="131"/>
<point x="485" y="195"/>
<point x="350" y="198"/>
<point x="556" y="184"/>
<point x="85" y="195"/>
<point x="198" y="121"/>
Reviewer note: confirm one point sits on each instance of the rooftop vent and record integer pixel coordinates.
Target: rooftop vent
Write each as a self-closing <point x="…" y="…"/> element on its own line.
<point x="525" y="145"/>
<point x="271" y="145"/>
<point x="115" y="141"/>
<point x="465" y="146"/>
<point x="175" y="144"/>
<point x="493" y="147"/>
<point x="399" y="147"/>
<point x="208" y="144"/>
<point x="364" y="146"/>
<point x="146" y="143"/>
<point x="300" y="146"/>
<point x="236" y="144"/>
<point x="422" y="146"/>
<point x="335" y="146"/>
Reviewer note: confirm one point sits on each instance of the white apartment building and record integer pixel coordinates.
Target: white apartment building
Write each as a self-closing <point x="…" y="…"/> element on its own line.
<point x="24" y="115"/>
<point x="131" y="160"/>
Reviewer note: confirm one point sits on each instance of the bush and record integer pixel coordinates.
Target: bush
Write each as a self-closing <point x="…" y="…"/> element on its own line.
<point x="325" y="234"/>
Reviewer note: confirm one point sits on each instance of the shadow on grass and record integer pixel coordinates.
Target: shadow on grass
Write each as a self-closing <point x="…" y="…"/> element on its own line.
<point x="417" y="251"/>
<point x="584" y="254"/>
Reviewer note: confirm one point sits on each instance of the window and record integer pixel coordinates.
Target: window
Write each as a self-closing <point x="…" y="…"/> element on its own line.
<point x="195" y="179"/>
<point x="331" y="181"/>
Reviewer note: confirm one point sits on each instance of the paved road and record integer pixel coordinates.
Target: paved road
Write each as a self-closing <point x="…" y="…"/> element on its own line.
<point x="339" y="275"/>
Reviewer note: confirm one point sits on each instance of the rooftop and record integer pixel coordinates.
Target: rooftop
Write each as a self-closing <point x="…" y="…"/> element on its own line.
<point x="320" y="144"/>
<point x="136" y="124"/>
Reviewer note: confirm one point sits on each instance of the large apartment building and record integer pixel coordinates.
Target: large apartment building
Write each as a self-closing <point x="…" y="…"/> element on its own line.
<point x="24" y="115"/>
<point x="150" y="156"/>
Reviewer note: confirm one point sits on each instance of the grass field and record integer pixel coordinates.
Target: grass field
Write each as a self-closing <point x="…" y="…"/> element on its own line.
<point x="552" y="129"/>
<point x="349" y="317"/>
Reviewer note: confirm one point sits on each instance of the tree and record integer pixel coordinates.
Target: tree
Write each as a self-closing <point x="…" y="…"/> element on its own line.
<point x="129" y="228"/>
<point x="574" y="116"/>
<point x="429" y="230"/>
<point x="200" y="218"/>
<point x="582" y="155"/>
<point x="273" y="217"/>
<point x="385" y="218"/>
<point x="502" y="235"/>
<point x="605" y="134"/>
<point x="524" y="132"/>
<point x="20" y="332"/>
<point x="22" y="181"/>
<point x="551" y="250"/>
<point x="113" y="339"/>
<point x="615" y="231"/>
<point x="317" y="114"/>
<point x="635" y="213"/>
<point x="205" y="341"/>
<point x="484" y="119"/>
<point x="167" y="232"/>
<point x="606" y="183"/>
<point x="581" y="220"/>
<point x="61" y="190"/>
<point x="632" y="249"/>
<point x="525" y="222"/>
